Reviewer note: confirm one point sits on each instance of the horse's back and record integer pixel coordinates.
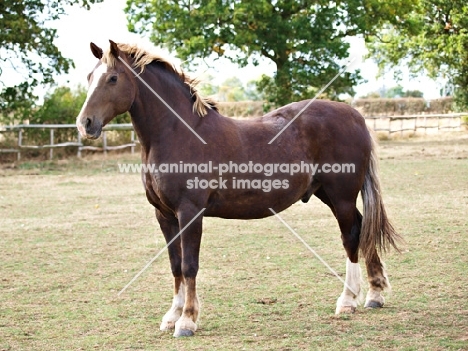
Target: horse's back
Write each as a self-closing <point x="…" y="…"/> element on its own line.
<point x="321" y="114"/>
<point x="325" y="125"/>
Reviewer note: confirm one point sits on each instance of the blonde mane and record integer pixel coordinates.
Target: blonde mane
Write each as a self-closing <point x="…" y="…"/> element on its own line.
<point x="142" y="58"/>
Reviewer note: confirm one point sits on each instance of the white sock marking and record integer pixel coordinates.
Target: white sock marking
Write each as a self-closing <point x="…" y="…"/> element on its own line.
<point x="175" y="311"/>
<point x="348" y="297"/>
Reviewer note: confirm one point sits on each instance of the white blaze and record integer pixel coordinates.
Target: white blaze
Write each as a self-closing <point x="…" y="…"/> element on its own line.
<point x="97" y="74"/>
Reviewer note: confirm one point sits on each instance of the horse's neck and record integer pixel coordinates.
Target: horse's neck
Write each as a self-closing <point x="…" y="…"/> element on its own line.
<point x="153" y="121"/>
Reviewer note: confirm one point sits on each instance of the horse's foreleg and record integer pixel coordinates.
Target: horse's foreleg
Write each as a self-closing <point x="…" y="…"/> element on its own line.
<point x="170" y="228"/>
<point x="378" y="281"/>
<point x="186" y="324"/>
<point x="174" y="313"/>
<point x="191" y="238"/>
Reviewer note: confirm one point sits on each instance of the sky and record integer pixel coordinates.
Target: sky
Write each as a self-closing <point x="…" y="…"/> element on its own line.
<point x="107" y="20"/>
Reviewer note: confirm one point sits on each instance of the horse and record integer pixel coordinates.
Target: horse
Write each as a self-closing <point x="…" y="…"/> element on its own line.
<point x="177" y="126"/>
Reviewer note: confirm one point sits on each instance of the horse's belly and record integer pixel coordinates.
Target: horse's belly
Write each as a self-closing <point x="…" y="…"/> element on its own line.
<point x="251" y="204"/>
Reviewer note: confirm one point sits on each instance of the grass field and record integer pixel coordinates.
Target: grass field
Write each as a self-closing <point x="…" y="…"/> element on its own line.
<point x="74" y="232"/>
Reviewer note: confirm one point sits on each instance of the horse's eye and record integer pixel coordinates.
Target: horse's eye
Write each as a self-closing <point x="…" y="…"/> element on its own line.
<point x="113" y="79"/>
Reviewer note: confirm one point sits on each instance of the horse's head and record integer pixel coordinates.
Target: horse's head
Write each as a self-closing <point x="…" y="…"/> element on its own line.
<point x="111" y="92"/>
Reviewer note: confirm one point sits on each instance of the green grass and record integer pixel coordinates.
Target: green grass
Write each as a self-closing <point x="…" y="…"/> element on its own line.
<point x="75" y="232"/>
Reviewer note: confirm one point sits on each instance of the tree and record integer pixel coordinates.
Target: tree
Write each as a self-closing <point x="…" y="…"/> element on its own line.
<point x="251" y="91"/>
<point x="413" y="93"/>
<point x="232" y="89"/>
<point x="304" y="38"/>
<point x="394" y="92"/>
<point x="433" y="38"/>
<point x="26" y="44"/>
<point x="206" y="87"/>
<point x="371" y="95"/>
<point x="62" y="105"/>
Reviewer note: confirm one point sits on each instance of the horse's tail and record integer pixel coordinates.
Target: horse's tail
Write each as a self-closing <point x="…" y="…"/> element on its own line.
<point x="376" y="231"/>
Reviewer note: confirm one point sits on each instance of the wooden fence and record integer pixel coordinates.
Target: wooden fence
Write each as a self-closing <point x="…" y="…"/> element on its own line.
<point x="78" y="143"/>
<point x="416" y="123"/>
<point x="389" y="124"/>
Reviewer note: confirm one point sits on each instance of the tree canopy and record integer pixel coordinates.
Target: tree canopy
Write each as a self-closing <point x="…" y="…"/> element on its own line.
<point x="232" y="89"/>
<point x="62" y="105"/>
<point x="432" y="38"/>
<point x="393" y="92"/>
<point x="306" y="39"/>
<point x="26" y="46"/>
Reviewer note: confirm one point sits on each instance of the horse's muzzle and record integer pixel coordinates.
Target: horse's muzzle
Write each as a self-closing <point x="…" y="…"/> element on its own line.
<point x="89" y="128"/>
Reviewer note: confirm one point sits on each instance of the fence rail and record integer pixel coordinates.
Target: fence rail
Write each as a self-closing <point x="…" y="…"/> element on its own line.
<point x="79" y="144"/>
<point x="413" y="123"/>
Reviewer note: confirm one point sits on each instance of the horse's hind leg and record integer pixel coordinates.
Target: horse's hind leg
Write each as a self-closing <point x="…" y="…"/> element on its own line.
<point x="378" y="281"/>
<point x="349" y="219"/>
<point x="170" y="228"/>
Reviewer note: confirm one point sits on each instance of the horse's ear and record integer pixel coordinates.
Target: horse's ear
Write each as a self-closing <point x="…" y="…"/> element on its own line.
<point x="114" y="49"/>
<point x="96" y="50"/>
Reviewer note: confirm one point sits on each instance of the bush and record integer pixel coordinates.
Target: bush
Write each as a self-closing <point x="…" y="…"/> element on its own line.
<point x="403" y="106"/>
<point x="241" y="108"/>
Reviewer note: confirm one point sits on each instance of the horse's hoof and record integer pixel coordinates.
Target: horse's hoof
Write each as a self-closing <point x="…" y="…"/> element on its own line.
<point x="183" y="332"/>
<point x="346" y="309"/>
<point x="373" y="304"/>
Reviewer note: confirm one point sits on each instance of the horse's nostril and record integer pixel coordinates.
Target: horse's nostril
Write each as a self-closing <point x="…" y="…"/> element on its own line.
<point x="88" y="122"/>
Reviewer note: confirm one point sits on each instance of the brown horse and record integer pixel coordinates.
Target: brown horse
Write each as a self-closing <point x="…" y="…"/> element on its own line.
<point x="228" y="168"/>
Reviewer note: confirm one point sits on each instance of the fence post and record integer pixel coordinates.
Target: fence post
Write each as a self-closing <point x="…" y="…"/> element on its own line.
<point x="78" y="153"/>
<point x="20" y="140"/>
<point x="132" y="137"/>
<point x="51" y="151"/>
<point x="104" y="142"/>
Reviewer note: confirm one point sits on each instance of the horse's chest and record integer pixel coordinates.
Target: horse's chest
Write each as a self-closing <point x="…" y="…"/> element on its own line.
<point x="154" y="193"/>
